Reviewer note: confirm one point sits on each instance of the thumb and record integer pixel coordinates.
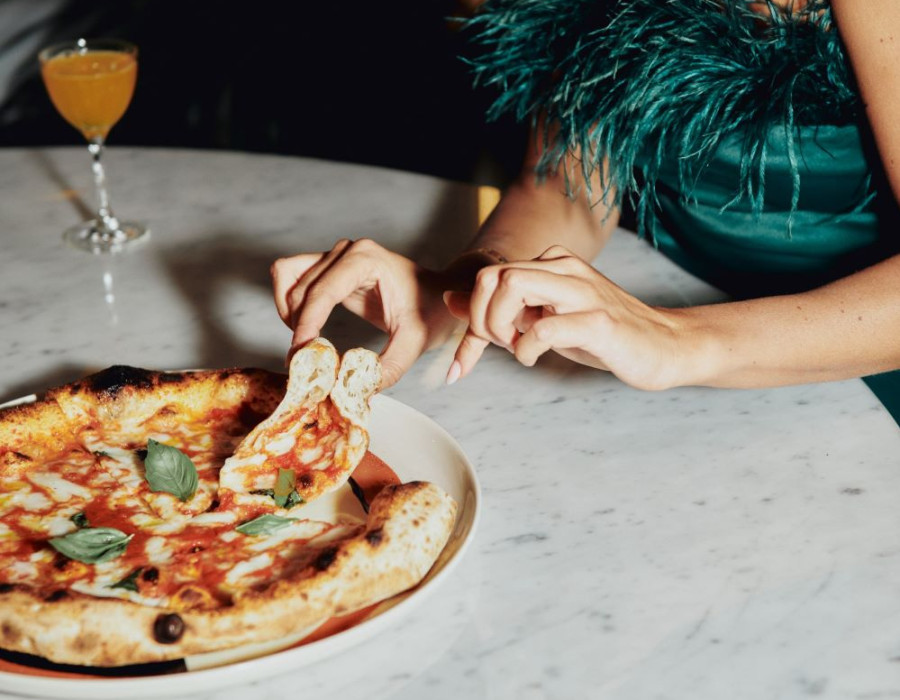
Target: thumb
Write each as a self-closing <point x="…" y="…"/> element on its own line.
<point x="458" y="304"/>
<point x="402" y="350"/>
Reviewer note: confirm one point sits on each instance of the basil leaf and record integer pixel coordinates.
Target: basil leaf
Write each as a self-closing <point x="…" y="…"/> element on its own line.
<point x="129" y="583"/>
<point x="293" y="499"/>
<point x="92" y="545"/>
<point x="284" y="487"/>
<point x="168" y="469"/>
<point x="263" y="525"/>
<point x="80" y="520"/>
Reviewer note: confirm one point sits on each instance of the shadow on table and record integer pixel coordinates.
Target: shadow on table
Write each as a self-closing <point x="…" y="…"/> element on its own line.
<point x="49" y="166"/>
<point x="206" y="269"/>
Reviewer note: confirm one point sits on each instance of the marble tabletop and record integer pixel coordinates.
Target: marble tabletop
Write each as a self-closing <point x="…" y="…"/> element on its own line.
<point x="693" y="543"/>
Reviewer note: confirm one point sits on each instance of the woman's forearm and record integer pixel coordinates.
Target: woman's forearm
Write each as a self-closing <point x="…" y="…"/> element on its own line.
<point x="532" y="216"/>
<point x="849" y="328"/>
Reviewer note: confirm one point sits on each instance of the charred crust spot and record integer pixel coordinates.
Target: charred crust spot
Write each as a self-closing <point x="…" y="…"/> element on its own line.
<point x="20" y="455"/>
<point x="190" y="596"/>
<point x="415" y="522"/>
<point x="86" y="642"/>
<point x="306" y="480"/>
<point x="113" y="379"/>
<point x="197" y="548"/>
<point x="171" y="378"/>
<point x="168" y="628"/>
<point x="249" y="416"/>
<point x="311" y="425"/>
<point x="10" y="633"/>
<point x="325" y="558"/>
<point x="57" y="595"/>
<point x="151" y="575"/>
<point x="142" y="454"/>
<point x="375" y="537"/>
<point x="60" y="562"/>
<point x="359" y="493"/>
<point x="7" y="587"/>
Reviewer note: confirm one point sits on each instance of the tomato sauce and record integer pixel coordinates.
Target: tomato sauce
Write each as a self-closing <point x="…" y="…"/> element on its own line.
<point x="371" y="475"/>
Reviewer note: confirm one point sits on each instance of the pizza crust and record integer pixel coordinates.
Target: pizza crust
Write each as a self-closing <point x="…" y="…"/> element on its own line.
<point x="128" y="397"/>
<point x="407" y="527"/>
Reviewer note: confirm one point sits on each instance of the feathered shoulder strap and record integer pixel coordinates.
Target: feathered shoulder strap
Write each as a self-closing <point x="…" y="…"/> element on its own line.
<point x="645" y="82"/>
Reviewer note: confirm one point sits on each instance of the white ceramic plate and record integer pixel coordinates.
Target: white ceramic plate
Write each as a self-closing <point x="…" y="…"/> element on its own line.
<point x="416" y="448"/>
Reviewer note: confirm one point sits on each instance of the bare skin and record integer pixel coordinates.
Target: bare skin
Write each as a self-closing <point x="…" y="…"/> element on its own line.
<point x="548" y="298"/>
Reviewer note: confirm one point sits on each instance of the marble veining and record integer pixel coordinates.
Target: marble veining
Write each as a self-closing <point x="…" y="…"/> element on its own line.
<point x="695" y="543"/>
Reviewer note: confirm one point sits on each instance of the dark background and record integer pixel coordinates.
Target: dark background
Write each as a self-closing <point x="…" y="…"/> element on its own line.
<point x="367" y="82"/>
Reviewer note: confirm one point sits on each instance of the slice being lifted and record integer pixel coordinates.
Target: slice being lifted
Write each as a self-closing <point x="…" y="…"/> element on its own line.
<point x="313" y="440"/>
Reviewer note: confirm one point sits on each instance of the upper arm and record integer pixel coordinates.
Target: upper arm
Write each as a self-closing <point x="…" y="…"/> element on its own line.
<point x="870" y="30"/>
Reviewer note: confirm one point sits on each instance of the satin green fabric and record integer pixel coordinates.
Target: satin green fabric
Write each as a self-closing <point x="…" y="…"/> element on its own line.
<point x="828" y="236"/>
<point x="833" y="232"/>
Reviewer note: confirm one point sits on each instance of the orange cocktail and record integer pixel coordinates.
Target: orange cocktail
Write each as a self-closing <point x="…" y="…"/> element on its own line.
<point x="90" y="82"/>
<point x="91" y="89"/>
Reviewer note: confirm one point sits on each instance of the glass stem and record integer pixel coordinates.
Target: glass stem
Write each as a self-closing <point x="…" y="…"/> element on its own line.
<point x="107" y="220"/>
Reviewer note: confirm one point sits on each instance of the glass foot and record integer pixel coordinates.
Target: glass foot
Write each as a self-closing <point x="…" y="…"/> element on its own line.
<point x="94" y="238"/>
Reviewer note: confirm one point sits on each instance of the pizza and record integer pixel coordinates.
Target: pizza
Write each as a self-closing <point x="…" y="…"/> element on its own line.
<point x="147" y="516"/>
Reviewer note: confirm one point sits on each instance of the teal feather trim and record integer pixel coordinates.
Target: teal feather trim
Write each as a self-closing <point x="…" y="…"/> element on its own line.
<point x="644" y="82"/>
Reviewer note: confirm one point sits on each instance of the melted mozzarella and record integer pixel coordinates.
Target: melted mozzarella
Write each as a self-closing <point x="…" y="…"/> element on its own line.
<point x="20" y="571"/>
<point x="104" y="591"/>
<point x="244" y="570"/>
<point x="26" y="499"/>
<point x="158" y="550"/>
<point x="301" y="529"/>
<point x="281" y="445"/>
<point x="60" y="489"/>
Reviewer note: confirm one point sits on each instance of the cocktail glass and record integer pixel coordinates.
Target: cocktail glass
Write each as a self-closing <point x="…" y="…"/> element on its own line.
<point x="90" y="82"/>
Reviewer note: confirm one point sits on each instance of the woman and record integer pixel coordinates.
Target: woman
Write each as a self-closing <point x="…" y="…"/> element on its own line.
<point x="736" y="132"/>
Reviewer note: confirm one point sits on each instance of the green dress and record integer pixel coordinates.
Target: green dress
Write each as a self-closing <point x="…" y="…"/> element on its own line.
<point x="738" y="140"/>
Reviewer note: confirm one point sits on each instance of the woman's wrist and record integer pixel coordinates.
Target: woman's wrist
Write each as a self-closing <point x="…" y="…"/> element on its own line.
<point x="460" y="273"/>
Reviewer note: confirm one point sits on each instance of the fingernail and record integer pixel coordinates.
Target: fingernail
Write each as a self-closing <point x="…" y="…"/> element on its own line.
<point x="446" y="297"/>
<point x="454" y="372"/>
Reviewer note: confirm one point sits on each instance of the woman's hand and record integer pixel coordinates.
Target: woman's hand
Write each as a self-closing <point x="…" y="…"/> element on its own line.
<point x="559" y="302"/>
<point x="384" y="288"/>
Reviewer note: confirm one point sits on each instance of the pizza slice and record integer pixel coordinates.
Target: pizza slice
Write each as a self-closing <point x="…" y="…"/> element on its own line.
<point x="313" y="440"/>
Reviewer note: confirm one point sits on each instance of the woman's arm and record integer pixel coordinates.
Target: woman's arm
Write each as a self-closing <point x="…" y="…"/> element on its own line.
<point x="535" y="214"/>
<point x="870" y="31"/>
<point x="405" y="299"/>
<point x="849" y="328"/>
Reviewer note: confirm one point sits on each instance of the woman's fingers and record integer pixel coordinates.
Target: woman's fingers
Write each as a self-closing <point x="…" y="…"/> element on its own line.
<point x="317" y="282"/>
<point x="457" y="304"/>
<point x="521" y="292"/>
<point x="292" y="277"/>
<point x="285" y="273"/>
<point x="563" y="332"/>
<point x="469" y="351"/>
<point x="402" y="350"/>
